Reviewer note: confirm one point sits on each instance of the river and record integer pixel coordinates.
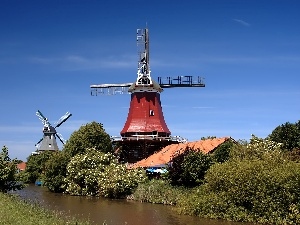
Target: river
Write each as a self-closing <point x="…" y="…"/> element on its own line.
<point x="113" y="212"/>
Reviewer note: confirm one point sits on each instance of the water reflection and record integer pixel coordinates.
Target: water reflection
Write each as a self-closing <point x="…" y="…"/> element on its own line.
<point x="114" y="212"/>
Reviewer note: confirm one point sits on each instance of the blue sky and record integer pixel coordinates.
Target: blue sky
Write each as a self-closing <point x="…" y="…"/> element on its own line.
<point x="248" y="51"/>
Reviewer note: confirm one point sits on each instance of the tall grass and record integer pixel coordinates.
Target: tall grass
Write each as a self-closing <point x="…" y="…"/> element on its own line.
<point x="157" y="191"/>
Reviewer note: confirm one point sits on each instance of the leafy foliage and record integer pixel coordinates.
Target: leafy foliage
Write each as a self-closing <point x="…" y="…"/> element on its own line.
<point x="257" y="149"/>
<point x="55" y="172"/>
<point x="251" y="190"/>
<point x="121" y="181"/>
<point x="35" y="166"/>
<point x="208" y="137"/>
<point x="257" y="184"/>
<point x="8" y="172"/>
<point x="288" y="134"/>
<point x="188" y="168"/>
<point x="91" y="135"/>
<point x="293" y="155"/>
<point x="87" y="137"/>
<point x="157" y="191"/>
<point x="83" y="172"/>
<point x="98" y="173"/>
<point x="222" y="152"/>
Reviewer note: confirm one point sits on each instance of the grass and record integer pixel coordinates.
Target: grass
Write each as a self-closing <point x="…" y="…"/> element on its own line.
<point x="158" y="192"/>
<point x="15" y="211"/>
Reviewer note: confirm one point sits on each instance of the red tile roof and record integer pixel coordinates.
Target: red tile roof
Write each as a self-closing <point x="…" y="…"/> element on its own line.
<point x="21" y="166"/>
<point x="165" y="155"/>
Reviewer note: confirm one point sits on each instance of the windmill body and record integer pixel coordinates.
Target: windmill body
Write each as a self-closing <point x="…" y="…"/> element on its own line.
<point x="145" y="130"/>
<point x="48" y="141"/>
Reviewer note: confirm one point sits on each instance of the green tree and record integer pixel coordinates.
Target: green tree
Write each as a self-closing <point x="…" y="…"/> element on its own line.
<point x="188" y="168"/>
<point x="288" y="134"/>
<point x="91" y="135"/>
<point x="8" y="173"/>
<point x="35" y="166"/>
<point x="98" y="173"/>
<point x="55" y="171"/>
<point x="208" y="137"/>
<point x="222" y="152"/>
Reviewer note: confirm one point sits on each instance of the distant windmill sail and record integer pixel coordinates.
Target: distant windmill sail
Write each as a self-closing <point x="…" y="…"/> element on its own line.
<point x="48" y="141"/>
<point x="63" y="119"/>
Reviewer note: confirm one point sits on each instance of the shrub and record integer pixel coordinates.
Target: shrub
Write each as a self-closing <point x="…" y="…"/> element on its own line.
<point x="89" y="136"/>
<point x="257" y="149"/>
<point x="117" y="181"/>
<point x="55" y="172"/>
<point x="257" y="184"/>
<point x="222" y="152"/>
<point x="258" y="191"/>
<point x="157" y="191"/>
<point x="35" y="166"/>
<point x="83" y="171"/>
<point x="188" y="168"/>
<point x="8" y="173"/>
<point x="98" y="173"/>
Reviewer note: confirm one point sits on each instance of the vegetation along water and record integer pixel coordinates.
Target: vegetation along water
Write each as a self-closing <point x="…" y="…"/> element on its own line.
<point x="248" y="181"/>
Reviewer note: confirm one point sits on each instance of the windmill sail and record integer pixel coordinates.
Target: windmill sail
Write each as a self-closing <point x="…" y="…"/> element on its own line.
<point x="63" y="119"/>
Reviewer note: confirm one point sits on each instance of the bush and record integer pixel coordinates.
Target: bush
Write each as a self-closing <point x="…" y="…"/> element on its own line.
<point x="55" y="172"/>
<point x="256" y="191"/>
<point x="35" y="166"/>
<point x="157" y="191"/>
<point x="188" y="168"/>
<point x="222" y="152"/>
<point x="257" y="184"/>
<point x="89" y="136"/>
<point x="98" y="173"/>
<point x="117" y="181"/>
<point x="83" y="171"/>
<point x="257" y="149"/>
<point x="8" y="173"/>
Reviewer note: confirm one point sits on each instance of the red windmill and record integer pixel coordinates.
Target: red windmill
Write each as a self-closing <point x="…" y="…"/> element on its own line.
<point x="145" y="130"/>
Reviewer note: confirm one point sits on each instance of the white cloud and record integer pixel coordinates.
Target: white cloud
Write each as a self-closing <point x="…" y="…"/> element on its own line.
<point x="19" y="129"/>
<point x="242" y="22"/>
<point x="77" y="62"/>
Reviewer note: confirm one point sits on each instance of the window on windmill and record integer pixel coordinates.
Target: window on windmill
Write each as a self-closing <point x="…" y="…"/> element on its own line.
<point x="151" y="112"/>
<point x="49" y="145"/>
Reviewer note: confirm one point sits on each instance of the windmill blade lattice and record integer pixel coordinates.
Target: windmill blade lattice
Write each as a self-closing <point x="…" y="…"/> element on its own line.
<point x="60" y="137"/>
<point x="63" y="119"/>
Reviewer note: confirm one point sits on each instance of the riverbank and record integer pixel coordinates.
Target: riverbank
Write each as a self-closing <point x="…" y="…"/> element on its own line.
<point x="102" y="211"/>
<point x="16" y="211"/>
